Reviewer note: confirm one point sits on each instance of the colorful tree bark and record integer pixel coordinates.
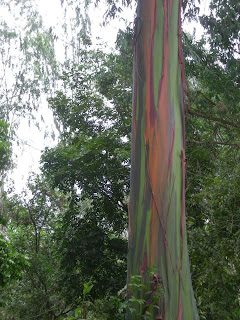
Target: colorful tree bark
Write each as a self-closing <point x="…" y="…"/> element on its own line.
<point x="157" y="230"/>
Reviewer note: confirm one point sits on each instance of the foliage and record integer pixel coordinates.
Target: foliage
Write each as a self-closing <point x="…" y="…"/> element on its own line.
<point x="222" y="25"/>
<point x="214" y="223"/>
<point x="93" y="155"/>
<point x="114" y="8"/>
<point x="11" y="263"/>
<point x="212" y="133"/>
<point x="5" y="146"/>
<point x="31" y="223"/>
<point x="126" y="300"/>
<point x="89" y="252"/>
<point x="33" y="66"/>
<point x="92" y="163"/>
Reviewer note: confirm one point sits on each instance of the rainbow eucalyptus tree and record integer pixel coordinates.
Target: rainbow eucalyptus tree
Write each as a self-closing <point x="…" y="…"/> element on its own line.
<point x="158" y="252"/>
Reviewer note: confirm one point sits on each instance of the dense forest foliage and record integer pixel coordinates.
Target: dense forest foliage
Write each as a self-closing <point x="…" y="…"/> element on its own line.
<point x="63" y="242"/>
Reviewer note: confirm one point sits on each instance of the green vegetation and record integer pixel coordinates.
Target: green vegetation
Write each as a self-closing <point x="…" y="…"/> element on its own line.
<point x="63" y="242"/>
<point x="5" y="146"/>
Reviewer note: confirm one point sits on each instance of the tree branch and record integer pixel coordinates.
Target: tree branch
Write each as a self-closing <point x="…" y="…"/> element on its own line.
<point x="209" y="117"/>
<point x="37" y="234"/>
<point x="217" y="142"/>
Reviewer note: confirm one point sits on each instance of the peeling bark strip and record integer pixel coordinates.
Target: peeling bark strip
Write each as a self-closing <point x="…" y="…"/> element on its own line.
<point x="157" y="232"/>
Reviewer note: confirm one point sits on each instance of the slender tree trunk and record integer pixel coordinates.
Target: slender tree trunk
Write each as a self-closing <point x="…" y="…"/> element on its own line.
<point x="2" y="214"/>
<point x="157" y="230"/>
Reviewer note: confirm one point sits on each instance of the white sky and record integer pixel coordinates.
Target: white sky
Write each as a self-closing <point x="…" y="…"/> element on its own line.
<point x="27" y="158"/>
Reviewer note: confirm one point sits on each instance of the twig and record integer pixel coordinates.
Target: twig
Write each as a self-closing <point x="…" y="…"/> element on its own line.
<point x="217" y="142"/>
<point x="209" y="117"/>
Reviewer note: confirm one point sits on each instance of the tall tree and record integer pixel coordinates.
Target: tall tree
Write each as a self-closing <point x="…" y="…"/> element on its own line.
<point x="91" y="163"/>
<point x="157" y="233"/>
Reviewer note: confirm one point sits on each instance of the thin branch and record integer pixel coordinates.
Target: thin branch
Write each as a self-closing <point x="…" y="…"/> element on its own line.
<point x="63" y="313"/>
<point x="217" y="142"/>
<point x="206" y="97"/>
<point x="37" y="234"/>
<point x="41" y="314"/>
<point x="209" y="117"/>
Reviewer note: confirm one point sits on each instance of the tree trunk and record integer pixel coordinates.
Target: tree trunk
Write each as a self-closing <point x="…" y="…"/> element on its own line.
<point x="157" y="231"/>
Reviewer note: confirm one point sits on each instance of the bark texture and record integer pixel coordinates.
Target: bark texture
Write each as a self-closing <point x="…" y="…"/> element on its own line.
<point x="157" y="230"/>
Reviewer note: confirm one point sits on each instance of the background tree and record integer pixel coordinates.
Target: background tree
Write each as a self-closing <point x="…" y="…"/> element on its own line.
<point x="5" y="156"/>
<point x="92" y="163"/>
<point x="33" y="219"/>
<point x="212" y="132"/>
